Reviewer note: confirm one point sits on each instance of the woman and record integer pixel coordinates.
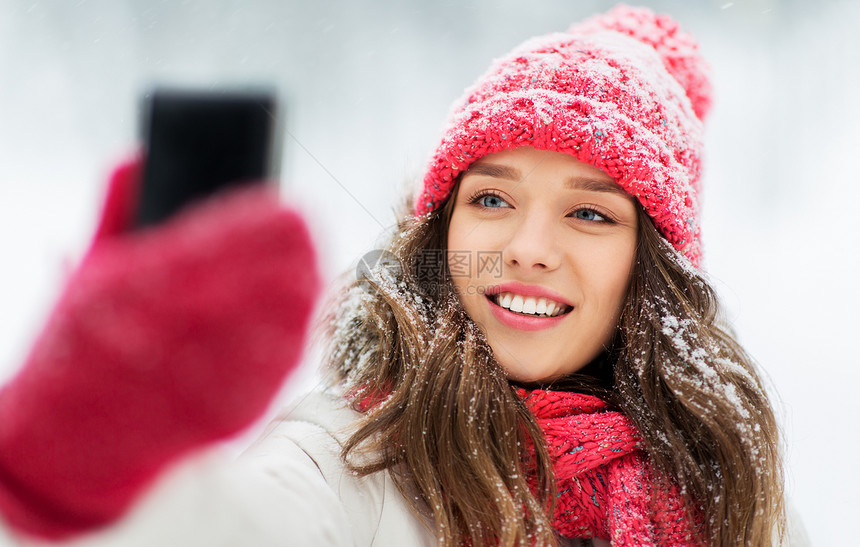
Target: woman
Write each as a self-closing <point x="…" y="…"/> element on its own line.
<point x="570" y="159"/>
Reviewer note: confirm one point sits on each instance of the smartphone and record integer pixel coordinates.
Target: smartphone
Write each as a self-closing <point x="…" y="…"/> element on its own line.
<point x="198" y="143"/>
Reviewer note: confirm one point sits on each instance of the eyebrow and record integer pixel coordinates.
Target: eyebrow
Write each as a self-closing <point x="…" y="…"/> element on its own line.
<point x="495" y="171"/>
<point x="595" y="185"/>
<point x="573" y="183"/>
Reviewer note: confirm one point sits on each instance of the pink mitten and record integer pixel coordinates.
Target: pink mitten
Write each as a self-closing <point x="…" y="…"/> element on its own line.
<point x="164" y="339"/>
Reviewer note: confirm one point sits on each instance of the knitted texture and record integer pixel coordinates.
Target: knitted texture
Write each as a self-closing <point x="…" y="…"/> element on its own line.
<point x="164" y="340"/>
<point x="606" y="488"/>
<point x="625" y="92"/>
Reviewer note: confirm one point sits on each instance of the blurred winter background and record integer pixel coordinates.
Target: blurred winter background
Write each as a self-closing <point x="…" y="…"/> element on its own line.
<point x="366" y="87"/>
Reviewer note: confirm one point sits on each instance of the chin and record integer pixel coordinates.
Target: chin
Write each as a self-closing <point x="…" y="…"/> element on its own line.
<point x="530" y="377"/>
<point x="536" y="377"/>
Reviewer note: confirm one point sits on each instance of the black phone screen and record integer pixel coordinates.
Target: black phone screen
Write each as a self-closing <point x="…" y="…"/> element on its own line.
<point x="198" y="143"/>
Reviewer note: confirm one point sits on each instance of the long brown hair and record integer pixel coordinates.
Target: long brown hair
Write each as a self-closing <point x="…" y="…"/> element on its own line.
<point x="442" y="418"/>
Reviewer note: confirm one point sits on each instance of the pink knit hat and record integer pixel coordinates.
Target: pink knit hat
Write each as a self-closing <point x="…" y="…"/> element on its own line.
<point x="625" y="91"/>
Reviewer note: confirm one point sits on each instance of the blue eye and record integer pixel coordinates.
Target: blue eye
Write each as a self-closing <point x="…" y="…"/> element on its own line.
<point x="590" y="215"/>
<point x="492" y="201"/>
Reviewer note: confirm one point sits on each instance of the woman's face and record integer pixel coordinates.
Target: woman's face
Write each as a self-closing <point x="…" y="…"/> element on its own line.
<point x="540" y="249"/>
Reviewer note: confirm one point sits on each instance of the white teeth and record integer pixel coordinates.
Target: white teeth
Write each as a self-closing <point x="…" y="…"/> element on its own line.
<point x="529" y="305"/>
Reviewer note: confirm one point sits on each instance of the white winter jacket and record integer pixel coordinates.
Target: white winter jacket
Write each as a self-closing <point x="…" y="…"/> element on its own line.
<point x="290" y="488"/>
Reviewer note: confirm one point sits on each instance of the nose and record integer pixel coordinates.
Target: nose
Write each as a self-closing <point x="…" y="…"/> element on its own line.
<point x="533" y="245"/>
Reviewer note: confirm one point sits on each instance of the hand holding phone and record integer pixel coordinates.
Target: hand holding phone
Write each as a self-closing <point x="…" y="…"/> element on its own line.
<point x="164" y="340"/>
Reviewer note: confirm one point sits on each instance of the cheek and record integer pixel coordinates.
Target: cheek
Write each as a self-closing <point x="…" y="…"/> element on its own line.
<point x="617" y="275"/>
<point x="455" y="247"/>
<point x="466" y="247"/>
<point x="618" y="278"/>
<point x="608" y="269"/>
<point x="459" y="230"/>
<point x="465" y="243"/>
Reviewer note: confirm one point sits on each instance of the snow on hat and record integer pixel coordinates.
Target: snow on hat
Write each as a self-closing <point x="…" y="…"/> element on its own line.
<point x="625" y="91"/>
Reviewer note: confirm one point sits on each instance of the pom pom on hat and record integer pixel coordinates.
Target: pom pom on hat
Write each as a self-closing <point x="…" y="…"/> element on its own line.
<point x="625" y="92"/>
<point x="678" y="49"/>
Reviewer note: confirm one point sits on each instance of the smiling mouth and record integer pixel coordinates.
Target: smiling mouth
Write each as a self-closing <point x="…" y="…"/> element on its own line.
<point x="529" y="306"/>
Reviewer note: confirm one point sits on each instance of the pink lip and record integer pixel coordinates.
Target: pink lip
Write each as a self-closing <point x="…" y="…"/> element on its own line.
<point x="518" y="321"/>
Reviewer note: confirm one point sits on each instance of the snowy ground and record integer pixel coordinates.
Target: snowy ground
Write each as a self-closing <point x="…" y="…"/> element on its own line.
<point x="367" y="86"/>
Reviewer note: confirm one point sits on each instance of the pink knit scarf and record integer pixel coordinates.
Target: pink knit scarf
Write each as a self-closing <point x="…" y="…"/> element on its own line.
<point x="606" y="488"/>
